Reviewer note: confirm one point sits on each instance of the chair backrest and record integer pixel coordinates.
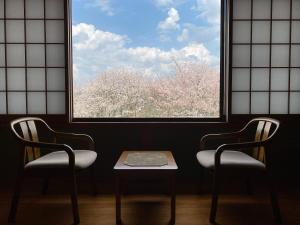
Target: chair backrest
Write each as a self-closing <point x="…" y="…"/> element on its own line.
<point x="26" y="129"/>
<point x="265" y="128"/>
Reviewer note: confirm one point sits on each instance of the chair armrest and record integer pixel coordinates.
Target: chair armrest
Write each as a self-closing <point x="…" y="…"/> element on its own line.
<point x="54" y="146"/>
<point x="81" y="137"/>
<point x="208" y="137"/>
<point x="236" y="147"/>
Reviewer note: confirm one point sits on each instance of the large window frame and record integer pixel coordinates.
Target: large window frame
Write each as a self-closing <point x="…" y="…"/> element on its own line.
<point x="223" y="74"/>
<point x="226" y="114"/>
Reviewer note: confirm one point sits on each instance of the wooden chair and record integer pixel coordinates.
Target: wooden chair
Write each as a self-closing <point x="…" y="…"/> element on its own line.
<point x="231" y="156"/>
<point x="62" y="160"/>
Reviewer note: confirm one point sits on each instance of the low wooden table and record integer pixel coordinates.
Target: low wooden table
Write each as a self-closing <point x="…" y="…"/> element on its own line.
<point x="123" y="171"/>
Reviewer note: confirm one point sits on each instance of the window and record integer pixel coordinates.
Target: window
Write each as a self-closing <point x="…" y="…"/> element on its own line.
<point x="266" y="57"/>
<point x="32" y="57"/>
<point x="147" y="59"/>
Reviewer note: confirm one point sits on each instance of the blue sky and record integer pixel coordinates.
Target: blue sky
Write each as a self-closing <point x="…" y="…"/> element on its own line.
<point x="126" y="30"/>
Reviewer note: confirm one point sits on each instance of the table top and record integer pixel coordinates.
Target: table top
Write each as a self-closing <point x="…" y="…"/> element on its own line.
<point x="170" y="166"/>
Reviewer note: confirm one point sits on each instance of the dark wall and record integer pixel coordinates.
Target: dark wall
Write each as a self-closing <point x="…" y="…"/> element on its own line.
<point x="183" y="139"/>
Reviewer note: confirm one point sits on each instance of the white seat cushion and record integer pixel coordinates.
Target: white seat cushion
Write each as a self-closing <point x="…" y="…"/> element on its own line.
<point x="229" y="159"/>
<point x="60" y="159"/>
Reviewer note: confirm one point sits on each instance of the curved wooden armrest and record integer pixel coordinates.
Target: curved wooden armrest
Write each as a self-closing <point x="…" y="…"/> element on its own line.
<point x="236" y="147"/>
<point x="54" y="146"/>
<point x="208" y="137"/>
<point x="74" y="136"/>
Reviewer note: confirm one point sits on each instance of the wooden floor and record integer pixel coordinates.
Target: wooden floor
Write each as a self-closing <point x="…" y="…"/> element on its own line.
<point x="55" y="209"/>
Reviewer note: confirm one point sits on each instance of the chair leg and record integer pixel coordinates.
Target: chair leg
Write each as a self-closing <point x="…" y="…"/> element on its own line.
<point x="274" y="200"/>
<point x="45" y="186"/>
<point x="74" y="200"/>
<point x="15" y="199"/>
<point x="214" y="200"/>
<point x="93" y="180"/>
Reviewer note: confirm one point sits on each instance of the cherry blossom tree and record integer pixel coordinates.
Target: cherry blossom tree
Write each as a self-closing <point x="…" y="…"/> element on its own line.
<point x="192" y="91"/>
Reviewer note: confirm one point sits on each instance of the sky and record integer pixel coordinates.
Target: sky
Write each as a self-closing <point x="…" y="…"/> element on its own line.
<point x="143" y="35"/>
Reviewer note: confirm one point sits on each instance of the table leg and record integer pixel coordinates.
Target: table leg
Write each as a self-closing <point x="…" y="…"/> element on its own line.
<point x="173" y="198"/>
<point x="118" y="200"/>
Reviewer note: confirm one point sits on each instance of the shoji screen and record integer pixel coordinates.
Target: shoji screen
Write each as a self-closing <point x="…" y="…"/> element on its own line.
<point x="32" y="57"/>
<point x="266" y="57"/>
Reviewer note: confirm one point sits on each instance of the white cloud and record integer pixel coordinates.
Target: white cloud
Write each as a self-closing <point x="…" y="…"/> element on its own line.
<point x="171" y="22"/>
<point x="184" y="36"/>
<point x="96" y="51"/>
<point x="86" y="36"/>
<point x="164" y="3"/>
<point x="203" y="34"/>
<point x="209" y="10"/>
<point x="104" y="5"/>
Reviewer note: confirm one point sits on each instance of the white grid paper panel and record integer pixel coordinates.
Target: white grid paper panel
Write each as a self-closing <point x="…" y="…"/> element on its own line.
<point x="2" y="103"/>
<point x="261" y="9"/>
<point x="2" y="79"/>
<point x="261" y="73"/>
<point x="260" y="102"/>
<point x="34" y="42"/>
<point x="1" y="9"/>
<point x="35" y="9"/>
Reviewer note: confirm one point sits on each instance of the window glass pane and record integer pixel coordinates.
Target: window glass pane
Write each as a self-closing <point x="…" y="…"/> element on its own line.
<point x="295" y="79"/>
<point x="241" y="9"/>
<point x="55" y="55"/>
<point x="1" y="30"/>
<point x="34" y="9"/>
<point x="16" y="102"/>
<point x="296" y="32"/>
<point x="241" y="32"/>
<point x="35" y="55"/>
<point x="280" y="32"/>
<point x="240" y="103"/>
<point x="2" y="103"/>
<point x="295" y="103"/>
<point x="22" y="80"/>
<point x="35" y="31"/>
<point x="36" y="103"/>
<point x="15" y="31"/>
<point x="14" y="9"/>
<point x="55" y="9"/>
<point x="296" y="9"/>
<point x="56" y="79"/>
<point x="56" y="102"/>
<point x="36" y="79"/>
<point x="16" y="55"/>
<point x="261" y="32"/>
<point x="280" y="56"/>
<point x="260" y="79"/>
<point x="55" y="31"/>
<point x="2" y="79"/>
<point x="280" y="80"/>
<point x="295" y="56"/>
<point x="1" y="8"/>
<point x="261" y="9"/>
<point x="2" y="55"/>
<point x="165" y="65"/>
<point x="281" y="9"/>
<point x="16" y="79"/>
<point x="279" y="102"/>
<point x="241" y="55"/>
<point x="240" y="79"/>
<point x="260" y="55"/>
<point x="259" y="103"/>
